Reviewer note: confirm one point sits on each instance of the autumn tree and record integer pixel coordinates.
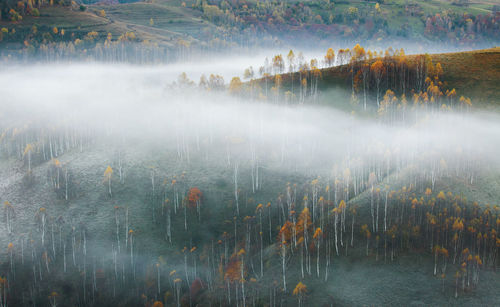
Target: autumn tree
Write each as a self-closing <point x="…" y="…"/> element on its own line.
<point x="318" y="234"/>
<point x="52" y="298"/>
<point x="194" y="199"/>
<point x="235" y="86"/>
<point x="377" y="69"/>
<point x="278" y="64"/>
<point x="300" y="291"/>
<point x="27" y="153"/>
<point x="216" y="82"/>
<point x="108" y="174"/>
<point x="284" y="239"/>
<point x="303" y="228"/>
<point x="291" y="66"/>
<point x="330" y="57"/>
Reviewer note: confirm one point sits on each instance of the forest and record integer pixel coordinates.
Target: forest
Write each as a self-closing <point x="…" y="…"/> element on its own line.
<point x="200" y="154"/>
<point x="169" y="31"/>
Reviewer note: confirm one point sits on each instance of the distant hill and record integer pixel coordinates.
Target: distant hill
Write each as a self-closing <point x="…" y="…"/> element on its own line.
<point x="220" y="25"/>
<point x="168" y="25"/>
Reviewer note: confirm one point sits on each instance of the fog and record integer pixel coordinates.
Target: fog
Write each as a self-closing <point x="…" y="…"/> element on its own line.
<point x="131" y="102"/>
<point x="163" y="140"/>
<point x="227" y="66"/>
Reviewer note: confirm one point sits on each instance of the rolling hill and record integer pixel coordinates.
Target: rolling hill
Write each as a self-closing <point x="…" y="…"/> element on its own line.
<point x="473" y="74"/>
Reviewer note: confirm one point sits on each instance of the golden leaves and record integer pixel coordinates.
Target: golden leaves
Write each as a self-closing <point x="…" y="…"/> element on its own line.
<point x="108" y="172"/>
<point x="300" y="289"/>
<point x="318" y="233"/>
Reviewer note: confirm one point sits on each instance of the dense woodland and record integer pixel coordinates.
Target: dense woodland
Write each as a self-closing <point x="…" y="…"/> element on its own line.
<point x="323" y="20"/>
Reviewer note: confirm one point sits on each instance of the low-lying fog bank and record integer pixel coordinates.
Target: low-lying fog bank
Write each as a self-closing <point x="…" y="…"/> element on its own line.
<point x="132" y="101"/>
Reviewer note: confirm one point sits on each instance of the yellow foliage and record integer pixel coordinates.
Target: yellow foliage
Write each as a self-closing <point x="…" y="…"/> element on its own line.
<point x="300" y="289"/>
<point x="108" y="172"/>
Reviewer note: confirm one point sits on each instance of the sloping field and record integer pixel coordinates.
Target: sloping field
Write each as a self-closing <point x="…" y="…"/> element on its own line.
<point x="473" y="74"/>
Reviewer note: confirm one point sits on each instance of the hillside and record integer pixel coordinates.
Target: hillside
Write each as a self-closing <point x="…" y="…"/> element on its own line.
<point x="214" y="25"/>
<point x="473" y="74"/>
<point x="119" y="20"/>
<point x="354" y="278"/>
<point x="351" y="177"/>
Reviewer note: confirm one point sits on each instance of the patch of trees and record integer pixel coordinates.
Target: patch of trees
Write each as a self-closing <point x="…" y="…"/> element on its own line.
<point x="388" y="81"/>
<point x="321" y="20"/>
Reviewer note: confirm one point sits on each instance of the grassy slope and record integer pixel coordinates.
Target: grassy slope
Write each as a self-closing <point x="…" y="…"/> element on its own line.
<point x="171" y="21"/>
<point x="473" y="74"/>
<point x="354" y="280"/>
<point x="74" y="21"/>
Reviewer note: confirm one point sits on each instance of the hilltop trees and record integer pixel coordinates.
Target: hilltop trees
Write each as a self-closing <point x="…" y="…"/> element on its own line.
<point x="235" y="86"/>
<point x="278" y="64"/>
<point x="330" y="57"/>
<point x="378" y="71"/>
<point x="389" y="76"/>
